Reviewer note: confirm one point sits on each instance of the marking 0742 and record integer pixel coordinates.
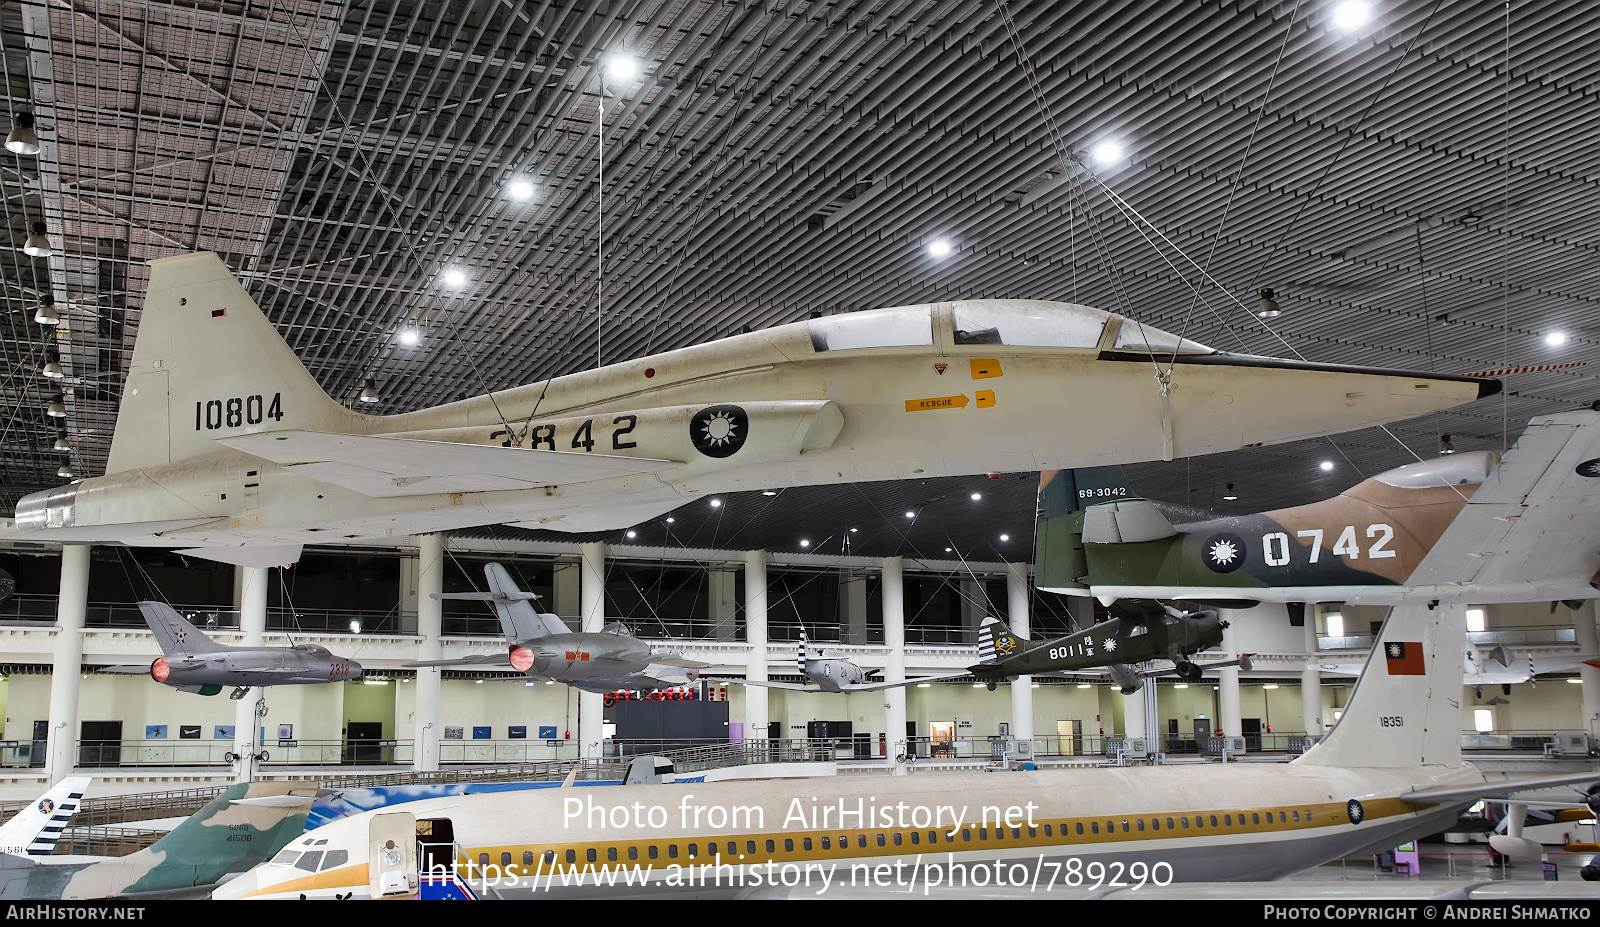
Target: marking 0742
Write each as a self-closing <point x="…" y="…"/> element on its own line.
<point x="1276" y="547"/>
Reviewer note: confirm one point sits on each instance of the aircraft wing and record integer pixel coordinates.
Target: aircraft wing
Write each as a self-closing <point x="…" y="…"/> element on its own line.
<point x="880" y="686"/>
<point x="384" y="467"/>
<point x="672" y="659"/>
<point x="1534" y="517"/>
<point x="769" y="684"/>
<point x="1491" y="788"/>
<point x="487" y="659"/>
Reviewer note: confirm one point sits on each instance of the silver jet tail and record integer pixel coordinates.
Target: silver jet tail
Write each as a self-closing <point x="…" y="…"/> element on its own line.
<point x="519" y="620"/>
<point x="176" y="635"/>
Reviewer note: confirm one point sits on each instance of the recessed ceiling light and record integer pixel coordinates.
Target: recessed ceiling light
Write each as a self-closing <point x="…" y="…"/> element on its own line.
<point x="716" y="503"/>
<point x="1181" y="685"/>
<point x="1555" y="339"/>
<point x="853" y="530"/>
<point x="1326" y="465"/>
<point x="632" y="534"/>
<point x="1005" y="537"/>
<point x="976" y="496"/>
<point x="768" y="492"/>
<point x="940" y="247"/>
<point x="669" y="519"/>
<point x="520" y="189"/>
<point x="947" y="550"/>
<point x="804" y="543"/>
<point x="924" y="685"/>
<point x="455" y="277"/>
<point x="979" y="685"/>
<point x="1085" y="685"/>
<point x="910" y="514"/>
<point x="622" y="67"/>
<point x="1107" y="152"/>
<point x="1270" y="685"/>
<point x="1350" y="14"/>
<point x="410" y="336"/>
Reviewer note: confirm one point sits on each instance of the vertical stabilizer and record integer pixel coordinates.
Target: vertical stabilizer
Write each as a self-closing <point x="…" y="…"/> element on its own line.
<point x="34" y="830"/>
<point x="519" y="620"/>
<point x="800" y="654"/>
<point x="1059" y="562"/>
<point x="207" y="364"/>
<point x="175" y="635"/>
<point x="995" y="640"/>
<point x="1406" y="708"/>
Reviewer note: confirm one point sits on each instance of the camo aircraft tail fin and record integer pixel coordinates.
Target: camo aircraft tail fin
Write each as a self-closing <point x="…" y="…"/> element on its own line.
<point x="1059" y="563"/>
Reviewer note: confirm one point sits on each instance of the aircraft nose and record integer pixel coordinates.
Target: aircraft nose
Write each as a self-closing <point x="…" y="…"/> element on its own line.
<point x="356" y="672"/>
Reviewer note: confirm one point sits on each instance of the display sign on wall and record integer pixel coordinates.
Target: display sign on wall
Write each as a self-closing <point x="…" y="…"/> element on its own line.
<point x="155" y="732"/>
<point x="452" y="732"/>
<point x="222" y="732"/>
<point x="481" y="733"/>
<point x="517" y="732"/>
<point x="188" y="732"/>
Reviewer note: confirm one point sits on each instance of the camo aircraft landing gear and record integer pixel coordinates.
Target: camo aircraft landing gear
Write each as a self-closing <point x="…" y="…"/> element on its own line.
<point x="991" y="686"/>
<point x="1188" y="672"/>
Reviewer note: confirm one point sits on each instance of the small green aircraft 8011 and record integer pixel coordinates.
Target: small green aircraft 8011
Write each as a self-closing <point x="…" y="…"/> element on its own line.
<point x="1150" y="632"/>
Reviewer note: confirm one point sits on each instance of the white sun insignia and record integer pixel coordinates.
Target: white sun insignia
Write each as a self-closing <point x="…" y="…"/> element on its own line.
<point x="1395" y="651"/>
<point x="1110" y="645"/>
<point x="719" y="429"/>
<point x="1223" y="552"/>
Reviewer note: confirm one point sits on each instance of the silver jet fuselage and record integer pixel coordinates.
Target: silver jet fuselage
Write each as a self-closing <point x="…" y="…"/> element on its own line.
<point x="256" y="666"/>
<point x="834" y="675"/>
<point x="224" y="440"/>
<point x="599" y="662"/>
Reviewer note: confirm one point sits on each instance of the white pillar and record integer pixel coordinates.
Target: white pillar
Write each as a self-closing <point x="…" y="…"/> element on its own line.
<point x="894" y="638"/>
<point x="755" y="634"/>
<point x="592" y="612"/>
<point x="426" y="728"/>
<point x="247" y="720"/>
<point x="67" y="673"/>
<point x="1133" y="713"/>
<point x="1022" y="688"/>
<point x="722" y="601"/>
<point x="1583" y="632"/>
<point x="1311" y="682"/>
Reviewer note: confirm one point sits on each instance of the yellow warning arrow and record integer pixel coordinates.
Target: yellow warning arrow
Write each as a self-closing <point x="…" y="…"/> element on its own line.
<point x="937" y="402"/>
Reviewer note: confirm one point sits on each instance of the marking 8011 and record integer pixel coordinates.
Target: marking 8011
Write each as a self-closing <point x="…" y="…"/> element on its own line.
<point x="212" y="414"/>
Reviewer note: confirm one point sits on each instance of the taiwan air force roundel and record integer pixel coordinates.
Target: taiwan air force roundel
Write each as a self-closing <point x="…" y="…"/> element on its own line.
<point x="1223" y="553"/>
<point x="1355" y="811"/>
<point x="719" y="431"/>
<point x="1589" y="468"/>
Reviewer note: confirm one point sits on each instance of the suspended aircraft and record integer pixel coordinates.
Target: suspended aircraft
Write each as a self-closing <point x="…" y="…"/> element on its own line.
<point x="542" y="647"/>
<point x="1154" y="632"/>
<point x="1461" y="528"/>
<point x="834" y="674"/>
<point x="226" y="448"/>
<point x="245" y="825"/>
<point x="1389" y="770"/>
<point x="1498" y="666"/>
<point x="193" y="662"/>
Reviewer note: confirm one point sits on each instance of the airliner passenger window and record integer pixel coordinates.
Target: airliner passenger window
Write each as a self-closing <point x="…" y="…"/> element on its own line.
<point x="527" y="857"/>
<point x="983" y="833"/>
<point x="933" y="836"/>
<point x="1213" y="820"/>
<point x="879" y="328"/>
<point x="1125" y="826"/>
<point x="897" y="838"/>
<point x="844" y="841"/>
<point x="1170" y="827"/>
<point x="861" y="840"/>
<point x="916" y="838"/>
<point x="1254" y="818"/>
<point x="1297" y="815"/>
<point x="771" y="847"/>
<point x="999" y="833"/>
<point x="750" y="847"/>
<point x="827" y="843"/>
<point x="505" y="859"/>
<point x="572" y="856"/>
<point x="711" y="847"/>
<point x="788" y="845"/>
<point x="694" y="850"/>
<point x="966" y="836"/>
<point x="651" y="852"/>
<point x="1141" y="825"/>
<point x="590" y="855"/>
<point x="881" y="841"/>
<point x="1094" y="826"/>
<point x="672" y="851"/>
<point x="1079" y="828"/>
<point x="611" y="855"/>
<point x="1031" y="322"/>
<point x="806" y="844"/>
<point x="633" y="853"/>
<point x="550" y="856"/>
<point x="1185" y="823"/>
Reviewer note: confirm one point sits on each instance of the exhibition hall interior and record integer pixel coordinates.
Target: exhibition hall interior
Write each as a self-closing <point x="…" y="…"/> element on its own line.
<point x="478" y="449"/>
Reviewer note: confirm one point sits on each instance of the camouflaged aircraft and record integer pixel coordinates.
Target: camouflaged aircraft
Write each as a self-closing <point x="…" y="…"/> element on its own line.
<point x="1469" y="528"/>
<point x="244" y="826"/>
<point x="1148" y="633"/>
<point x="226" y="448"/>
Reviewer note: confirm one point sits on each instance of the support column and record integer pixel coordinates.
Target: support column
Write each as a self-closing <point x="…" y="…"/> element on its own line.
<point x="1229" y="717"/>
<point x="755" y="634"/>
<point x="1311" y="684"/>
<point x="853" y="608"/>
<point x="430" y="628"/>
<point x="247" y="718"/>
<point x="71" y="607"/>
<point x="1022" y="688"/>
<point x="894" y="670"/>
<point x="722" y="592"/>
<point x="1583" y="632"/>
<point x="565" y="594"/>
<point x="592" y="612"/>
<point x="408" y="596"/>
<point x="1133" y="713"/>
<point x="974" y="608"/>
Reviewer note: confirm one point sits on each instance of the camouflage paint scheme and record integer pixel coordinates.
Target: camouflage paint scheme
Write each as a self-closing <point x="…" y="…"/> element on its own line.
<point x="1128" y="640"/>
<point x="220" y="839"/>
<point x="1372" y="534"/>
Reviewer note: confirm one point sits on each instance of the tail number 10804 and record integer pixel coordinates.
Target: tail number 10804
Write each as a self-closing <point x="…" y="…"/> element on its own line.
<point x="212" y="414"/>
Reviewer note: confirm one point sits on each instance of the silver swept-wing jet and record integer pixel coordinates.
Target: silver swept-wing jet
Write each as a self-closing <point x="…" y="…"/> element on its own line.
<point x="227" y="448"/>
<point x="831" y="674"/>
<point x="541" y="646"/>
<point x="192" y="662"/>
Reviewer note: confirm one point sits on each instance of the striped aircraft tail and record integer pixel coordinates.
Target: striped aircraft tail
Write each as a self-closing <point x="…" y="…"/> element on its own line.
<point x="800" y="654"/>
<point x="35" y="830"/>
<point x="994" y="641"/>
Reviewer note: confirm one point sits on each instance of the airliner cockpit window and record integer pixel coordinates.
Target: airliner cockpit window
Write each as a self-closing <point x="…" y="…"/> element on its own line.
<point x="1138" y="630"/>
<point x="1027" y="322"/>
<point x="904" y="326"/>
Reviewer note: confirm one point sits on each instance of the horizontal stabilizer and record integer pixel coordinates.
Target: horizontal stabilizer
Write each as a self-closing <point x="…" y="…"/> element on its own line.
<point x="278" y="801"/>
<point x="880" y="686"/>
<point x="488" y="660"/>
<point x="1127" y="522"/>
<point x="1490" y="788"/>
<point x="665" y="659"/>
<point x="129" y="669"/>
<point x="512" y="596"/>
<point x="383" y="467"/>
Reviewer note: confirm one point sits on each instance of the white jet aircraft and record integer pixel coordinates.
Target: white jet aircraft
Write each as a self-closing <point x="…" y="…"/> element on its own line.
<point x="226" y="448"/>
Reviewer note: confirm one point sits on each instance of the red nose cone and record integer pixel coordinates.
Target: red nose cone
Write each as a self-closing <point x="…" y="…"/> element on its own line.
<point x="521" y="659"/>
<point x="160" y="670"/>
